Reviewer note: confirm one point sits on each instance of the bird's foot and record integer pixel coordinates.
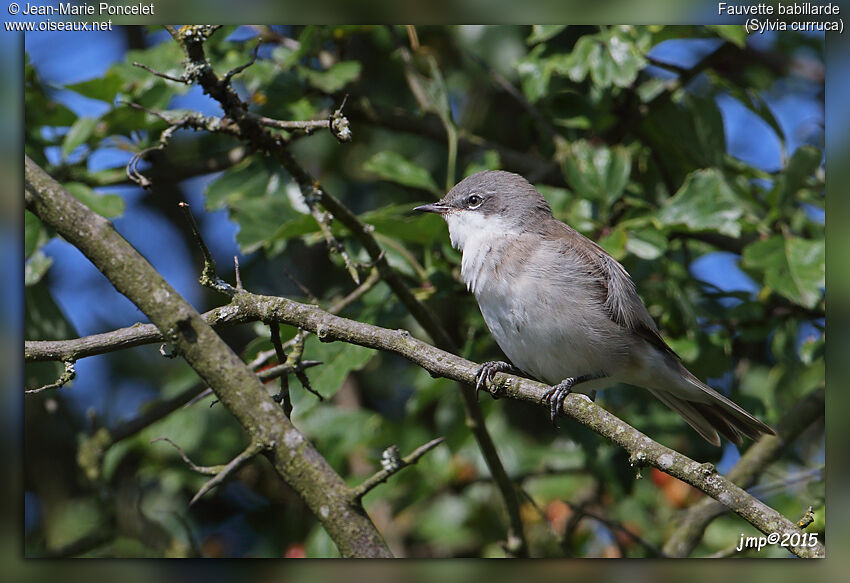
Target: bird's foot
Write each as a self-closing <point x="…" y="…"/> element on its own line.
<point x="485" y="375"/>
<point x="556" y="396"/>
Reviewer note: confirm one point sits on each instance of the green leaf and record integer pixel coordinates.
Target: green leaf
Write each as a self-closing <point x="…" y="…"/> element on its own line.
<point x="294" y="228"/>
<point x="32" y="233"/>
<point x="339" y="359"/>
<point x="79" y="132"/>
<point x="614" y="243"/>
<point x="646" y="243"/>
<point x="734" y="33"/>
<point x="260" y="219"/>
<point x="394" y="167"/>
<point x="611" y="57"/>
<point x="534" y="74"/>
<point x="248" y="179"/>
<point x="596" y="172"/>
<point x="43" y="319"/>
<point x="705" y="202"/>
<point x="72" y="519"/>
<point x="399" y="222"/>
<point x="490" y="160"/>
<point x="335" y="78"/>
<point x="543" y="32"/>
<point x="802" y="166"/>
<point x="104" y="88"/>
<point x="792" y="267"/>
<point x="695" y="125"/>
<point x="35" y="268"/>
<point x="107" y="205"/>
<point x="165" y="57"/>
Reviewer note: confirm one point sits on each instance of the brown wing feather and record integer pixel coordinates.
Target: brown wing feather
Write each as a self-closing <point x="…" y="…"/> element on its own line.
<point x="622" y="302"/>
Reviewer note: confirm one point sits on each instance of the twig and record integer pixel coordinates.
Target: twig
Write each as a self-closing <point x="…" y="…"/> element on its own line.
<point x="209" y="278"/>
<point x="295" y="356"/>
<point x="728" y="552"/>
<point x="391" y="465"/>
<point x="230" y="469"/>
<point x="283" y="396"/>
<point x="312" y="195"/>
<point x="158" y="74"/>
<point x="264" y="375"/>
<point x="220" y="472"/>
<point x="807" y="519"/>
<point x="233" y="72"/>
<point x="292" y="455"/>
<point x="66" y="377"/>
<point x="691" y="526"/>
<point x="614" y="525"/>
<point x="237" y="273"/>
<point x="209" y="470"/>
<point x="250" y="307"/>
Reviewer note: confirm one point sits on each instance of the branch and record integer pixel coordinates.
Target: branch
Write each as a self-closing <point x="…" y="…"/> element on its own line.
<point x="198" y="69"/>
<point x="745" y="472"/>
<point x="209" y="277"/>
<point x="641" y="449"/>
<point x="392" y="464"/>
<point x="66" y="377"/>
<point x="236" y="386"/>
<point x="221" y="472"/>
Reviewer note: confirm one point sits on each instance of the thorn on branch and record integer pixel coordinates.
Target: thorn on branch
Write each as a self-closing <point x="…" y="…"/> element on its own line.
<point x="180" y="79"/>
<point x="391" y="464"/>
<point x="296" y="359"/>
<point x="233" y="72"/>
<point x="67" y="376"/>
<point x="273" y="372"/>
<point x="237" y="274"/>
<point x="324" y="220"/>
<point x="194" y="121"/>
<point x="209" y="278"/>
<point x="220" y="472"/>
<point x="339" y="125"/>
<point x="807" y="519"/>
<point x="282" y="396"/>
<point x="209" y="470"/>
<point x="172" y="353"/>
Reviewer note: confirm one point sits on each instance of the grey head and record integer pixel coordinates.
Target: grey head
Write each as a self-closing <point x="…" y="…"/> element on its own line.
<point x="494" y="197"/>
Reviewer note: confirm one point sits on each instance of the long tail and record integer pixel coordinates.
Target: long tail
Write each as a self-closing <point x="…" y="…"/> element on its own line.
<point x="713" y="413"/>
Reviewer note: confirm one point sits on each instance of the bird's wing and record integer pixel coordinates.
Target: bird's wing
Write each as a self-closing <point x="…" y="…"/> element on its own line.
<point x="622" y="302"/>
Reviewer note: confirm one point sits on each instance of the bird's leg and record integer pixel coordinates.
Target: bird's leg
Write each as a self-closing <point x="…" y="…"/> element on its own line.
<point x="556" y="395"/>
<point x="485" y="375"/>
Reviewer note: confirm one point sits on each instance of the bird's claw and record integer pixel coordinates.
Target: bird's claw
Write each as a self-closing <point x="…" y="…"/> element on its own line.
<point x="555" y="398"/>
<point x="485" y="374"/>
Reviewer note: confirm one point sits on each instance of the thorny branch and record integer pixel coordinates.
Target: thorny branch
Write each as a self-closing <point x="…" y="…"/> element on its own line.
<point x="691" y="526"/>
<point x="294" y="458"/>
<point x="221" y="472"/>
<point x="66" y="377"/>
<point x="641" y="449"/>
<point x="199" y="70"/>
<point x="393" y="464"/>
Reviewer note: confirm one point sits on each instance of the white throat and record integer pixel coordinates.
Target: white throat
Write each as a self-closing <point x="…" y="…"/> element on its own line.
<point x="476" y="236"/>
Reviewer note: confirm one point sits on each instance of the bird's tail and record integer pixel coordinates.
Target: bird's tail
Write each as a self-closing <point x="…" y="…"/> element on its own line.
<point x="711" y="414"/>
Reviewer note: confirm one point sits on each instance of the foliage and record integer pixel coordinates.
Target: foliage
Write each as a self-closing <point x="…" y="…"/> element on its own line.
<point x="629" y="151"/>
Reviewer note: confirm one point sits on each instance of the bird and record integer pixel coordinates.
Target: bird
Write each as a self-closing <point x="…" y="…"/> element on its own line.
<point x="564" y="311"/>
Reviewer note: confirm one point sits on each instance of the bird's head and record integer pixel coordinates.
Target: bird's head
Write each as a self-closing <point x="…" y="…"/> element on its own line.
<point x="490" y="203"/>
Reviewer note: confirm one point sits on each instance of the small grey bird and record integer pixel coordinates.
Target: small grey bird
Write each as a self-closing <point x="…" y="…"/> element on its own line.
<point x="564" y="311"/>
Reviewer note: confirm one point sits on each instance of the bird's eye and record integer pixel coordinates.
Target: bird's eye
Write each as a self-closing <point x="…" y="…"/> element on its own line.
<point x="474" y="201"/>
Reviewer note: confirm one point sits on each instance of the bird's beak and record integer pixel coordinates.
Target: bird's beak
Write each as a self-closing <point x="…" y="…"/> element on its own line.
<point x="436" y="207"/>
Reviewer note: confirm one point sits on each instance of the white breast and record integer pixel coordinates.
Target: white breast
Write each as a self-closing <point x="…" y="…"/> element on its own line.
<point x="545" y="318"/>
<point x="477" y="237"/>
